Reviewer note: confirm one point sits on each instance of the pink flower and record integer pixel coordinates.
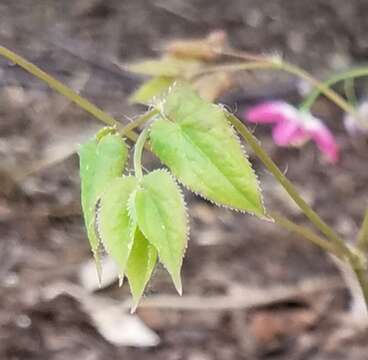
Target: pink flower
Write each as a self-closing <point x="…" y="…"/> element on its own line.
<point x="293" y="127"/>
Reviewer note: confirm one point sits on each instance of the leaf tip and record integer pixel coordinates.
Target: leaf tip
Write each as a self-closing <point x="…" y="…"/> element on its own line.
<point x="121" y="280"/>
<point x="135" y="303"/>
<point x="268" y="218"/>
<point x="98" y="268"/>
<point x="177" y="283"/>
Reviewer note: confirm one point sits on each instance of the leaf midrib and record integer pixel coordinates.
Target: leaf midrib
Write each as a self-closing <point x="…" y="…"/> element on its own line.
<point x="162" y="217"/>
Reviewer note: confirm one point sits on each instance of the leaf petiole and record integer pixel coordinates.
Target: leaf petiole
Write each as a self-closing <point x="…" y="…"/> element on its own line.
<point x="138" y="150"/>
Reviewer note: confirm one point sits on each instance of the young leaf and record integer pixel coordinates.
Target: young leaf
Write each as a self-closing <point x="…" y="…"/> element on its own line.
<point x="100" y="162"/>
<point x="161" y="216"/>
<point x="141" y="262"/>
<point x="114" y="225"/>
<point x="199" y="146"/>
<point x="150" y="89"/>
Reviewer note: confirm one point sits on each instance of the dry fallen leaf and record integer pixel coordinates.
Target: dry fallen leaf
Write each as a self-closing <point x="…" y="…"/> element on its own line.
<point x="122" y="329"/>
<point x="110" y="319"/>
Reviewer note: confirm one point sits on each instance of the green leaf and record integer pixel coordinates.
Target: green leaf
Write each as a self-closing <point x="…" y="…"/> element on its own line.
<point x="100" y="162"/>
<point x="166" y="66"/>
<point x="195" y="140"/>
<point x="152" y="88"/>
<point x="161" y="216"/>
<point x="141" y="262"/>
<point x="115" y="227"/>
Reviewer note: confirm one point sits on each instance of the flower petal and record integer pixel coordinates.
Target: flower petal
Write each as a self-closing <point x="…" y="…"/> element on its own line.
<point x="288" y="133"/>
<point x="271" y="112"/>
<point x="324" y="139"/>
<point x="293" y="127"/>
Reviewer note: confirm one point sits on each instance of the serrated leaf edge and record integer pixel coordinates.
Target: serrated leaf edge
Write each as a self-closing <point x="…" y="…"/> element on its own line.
<point x="177" y="282"/>
<point x="101" y="244"/>
<point x="200" y="194"/>
<point x="242" y="149"/>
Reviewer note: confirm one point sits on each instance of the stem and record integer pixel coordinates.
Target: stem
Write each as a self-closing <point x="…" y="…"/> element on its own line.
<point x="289" y="187"/>
<point x="349" y="89"/>
<point x="349" y="74"/>
<point x="140" y="120"/>
<point x="308" y="234"/>
<point x="360" y="270"/>
<point x="138" y="150"/>
<point x="67" y="92"/>
<point x="291" y="69"/>
<point x="363" y="234"/>
<point x="353" y="255"/>
<point x="321" y="87"/>
<point x="354" y="258"/>
<point x="241" y="54"/>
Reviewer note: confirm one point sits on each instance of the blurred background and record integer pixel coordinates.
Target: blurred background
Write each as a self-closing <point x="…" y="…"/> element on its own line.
<point x="251" y="290"/>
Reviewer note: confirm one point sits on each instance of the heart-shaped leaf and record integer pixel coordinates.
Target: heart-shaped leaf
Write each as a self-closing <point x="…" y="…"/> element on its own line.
<point x="161" y="216"/>
<point x="150" y="89"/>
<point x="141" y="262"/>
<point x="101" y="160"/>
<point x="115" y="227"/>
<point x="194" y="139"/>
